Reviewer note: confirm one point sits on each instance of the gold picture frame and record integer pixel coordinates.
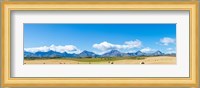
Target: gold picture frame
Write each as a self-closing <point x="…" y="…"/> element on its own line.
<point x="7" y="80"/>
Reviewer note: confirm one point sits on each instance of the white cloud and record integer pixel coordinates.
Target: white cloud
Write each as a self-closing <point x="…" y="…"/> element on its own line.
<point x="103" y="46"/>
<point x="130" y="51"/>
<point x="166" y="41"/>
<point x="170" y="50"/>
<point x="61" y="49"/>
<point x="147" y="50"/>
<point x="100" y="52"/>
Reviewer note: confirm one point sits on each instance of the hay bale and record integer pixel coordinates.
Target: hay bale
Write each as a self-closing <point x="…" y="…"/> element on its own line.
<point x="142" y="63"/>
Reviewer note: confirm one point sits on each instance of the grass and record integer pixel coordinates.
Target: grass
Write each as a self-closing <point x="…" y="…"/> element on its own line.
<point x="104" y="60"/>
<point x="98" y="59"/>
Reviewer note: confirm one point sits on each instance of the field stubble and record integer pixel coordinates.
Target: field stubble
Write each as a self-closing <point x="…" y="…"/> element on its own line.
<point x="113" y="60"/>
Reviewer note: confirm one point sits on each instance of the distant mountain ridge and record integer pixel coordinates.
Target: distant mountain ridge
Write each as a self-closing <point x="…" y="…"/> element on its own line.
<point x="48" y="54"/>
<point x="112" y="53"/>
<point x="87" y="54"/>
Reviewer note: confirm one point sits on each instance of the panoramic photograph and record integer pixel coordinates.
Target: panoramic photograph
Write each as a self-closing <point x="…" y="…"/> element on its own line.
<point x="99" y="43"/>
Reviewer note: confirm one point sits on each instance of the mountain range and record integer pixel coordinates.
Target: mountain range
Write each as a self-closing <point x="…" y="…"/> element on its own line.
<point x="112" y="53"/>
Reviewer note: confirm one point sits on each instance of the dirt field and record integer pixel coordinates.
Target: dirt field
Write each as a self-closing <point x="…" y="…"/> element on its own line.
<point x="147" y="60"/>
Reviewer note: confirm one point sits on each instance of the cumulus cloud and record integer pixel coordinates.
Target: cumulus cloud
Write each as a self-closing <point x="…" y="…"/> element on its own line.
<point x="131" y="51"/>
<point x="109" y="46"/>
<point x="170" y="50"/>
<point x="100" y="52"/>
<point x="166" y="41"/>
<point x="61" y="49"/>
<point x="147" y="50"/>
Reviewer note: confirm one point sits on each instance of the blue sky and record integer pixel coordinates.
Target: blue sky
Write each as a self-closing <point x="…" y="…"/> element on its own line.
<point x="100" y="38"/>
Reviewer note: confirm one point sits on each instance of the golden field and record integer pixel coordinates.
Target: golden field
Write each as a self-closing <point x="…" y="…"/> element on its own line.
<point x="116" y="60"/>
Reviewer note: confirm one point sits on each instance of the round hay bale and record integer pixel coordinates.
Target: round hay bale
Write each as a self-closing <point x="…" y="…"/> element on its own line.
<point x="142" y="63"/>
